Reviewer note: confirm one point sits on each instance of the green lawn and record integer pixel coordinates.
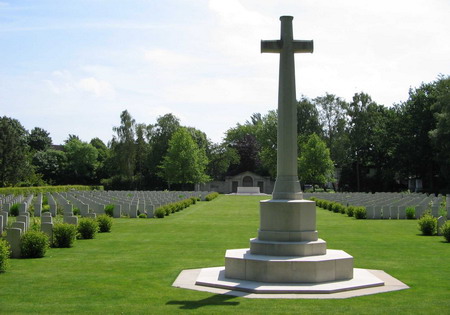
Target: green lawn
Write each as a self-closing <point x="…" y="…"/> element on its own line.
<point x="131" y="269"/>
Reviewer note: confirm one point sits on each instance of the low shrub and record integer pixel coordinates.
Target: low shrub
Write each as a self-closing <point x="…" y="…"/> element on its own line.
<point x="160" y="212"/>
<point x="64" y="235"/>
<point x="45" y="208"/>
<point x="105" y="223"/>
<point x="211" y="196"/>
<point x="427" y="224"/>
<point x="34" y="244"/>
<point x="87" y="228"/>
<point x="142" y="216"/>
<point x="194" y="200"/>
<point x="14" y="210"/>
<point x="335" y="207"/>
<point x="445" y="230"/>
<point x="350" y="210"/>
<point x="76" y="211"/>
<point x="360" y="213"/>
<point x="4" y="255"/>
<point x="410" y="213"/>
<point x="109" y="210"/>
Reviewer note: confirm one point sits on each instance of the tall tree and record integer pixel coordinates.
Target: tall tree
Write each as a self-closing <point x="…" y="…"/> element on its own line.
<point x="315" y="165"/>
<point x="123" y="145"/>
<point x="39" y="139"/>
<point x="220" y="157"/>
<point x="267" y="138"/>
<point x="332" y="115"/>
<point x="104" y="154"/>
<point x="14" y="157"/>
<point x="185" y="162"/>
<point x="81" y="162"/>
<point x="52" y="165"/>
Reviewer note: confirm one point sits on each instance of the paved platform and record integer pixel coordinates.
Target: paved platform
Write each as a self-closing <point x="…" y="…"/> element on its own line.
<point x="364" y="282"/>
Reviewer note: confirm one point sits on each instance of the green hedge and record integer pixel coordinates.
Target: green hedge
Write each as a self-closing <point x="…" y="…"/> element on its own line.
<point x="44" y="189"/>
<point x="173" y="207"/>
<point x="351" y="211"/>
<point x="211" y="196"/>
<point x="4" y="255"/>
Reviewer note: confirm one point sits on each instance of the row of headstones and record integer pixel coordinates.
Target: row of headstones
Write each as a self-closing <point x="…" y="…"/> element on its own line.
<point x="22" y="224"/>
<point x="387" y="206"/>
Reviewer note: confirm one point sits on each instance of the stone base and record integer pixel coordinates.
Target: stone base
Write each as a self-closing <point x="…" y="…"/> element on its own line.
<point x="215" y="277"/>
<point x="212" y="280"/>
<point x="334" y="265"/>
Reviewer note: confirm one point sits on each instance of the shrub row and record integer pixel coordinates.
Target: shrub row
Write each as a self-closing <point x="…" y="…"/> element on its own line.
<point x="45" y="189"/>
<point x="4" y="255"/>
<point x="351" y="211"/>
<point x="173" y="207"/>
<point x="211" y="196"/>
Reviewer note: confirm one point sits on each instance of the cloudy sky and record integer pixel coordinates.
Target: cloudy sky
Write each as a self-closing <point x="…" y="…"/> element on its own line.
<point x="71" y="67"/>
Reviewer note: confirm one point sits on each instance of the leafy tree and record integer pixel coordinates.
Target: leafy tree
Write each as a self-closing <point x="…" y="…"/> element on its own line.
<point x="104" y="154"/>
<point x="81" y="161"/>
<point x="332" y="115"/>
<point x="220" y="158"/>
<point x="440" y="135"/>
<point x="142" y="149"/>
<point x="123" y="146"/>
<point x="14" y="157"/>
<point x="51" y="164"/>
<point x="308" y="121"/>
<point x="39" y="139"/>
<point x="267" y="138"/>
<point x="244" y="140"/>
<point x="184" y="162"/>
<point x="315" y="165"/>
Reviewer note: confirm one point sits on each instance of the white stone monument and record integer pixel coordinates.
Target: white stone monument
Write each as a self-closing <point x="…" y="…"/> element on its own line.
<point x="287" y="256"/>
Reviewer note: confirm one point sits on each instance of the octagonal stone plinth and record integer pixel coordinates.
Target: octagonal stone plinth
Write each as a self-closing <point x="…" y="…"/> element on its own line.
<point x="311" y="248"/>
<point x="333" y="266"/>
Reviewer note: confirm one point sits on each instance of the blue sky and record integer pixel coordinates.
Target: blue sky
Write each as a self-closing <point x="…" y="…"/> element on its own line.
<point x="71" y="67"/>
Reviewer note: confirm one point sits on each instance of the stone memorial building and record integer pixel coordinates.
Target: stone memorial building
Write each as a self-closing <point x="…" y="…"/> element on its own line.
<point x="245" y="179"/>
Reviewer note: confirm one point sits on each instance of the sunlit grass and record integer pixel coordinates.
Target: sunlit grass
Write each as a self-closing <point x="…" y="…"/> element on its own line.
<point x="131" y="269"/>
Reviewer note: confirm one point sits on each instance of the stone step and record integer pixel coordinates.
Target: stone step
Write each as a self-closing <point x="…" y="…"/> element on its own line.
<point x="261" y="247"/>
<point x="335" y="265"/>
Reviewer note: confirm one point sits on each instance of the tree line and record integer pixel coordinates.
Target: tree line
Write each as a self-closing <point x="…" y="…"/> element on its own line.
<point x="357" y="146"/>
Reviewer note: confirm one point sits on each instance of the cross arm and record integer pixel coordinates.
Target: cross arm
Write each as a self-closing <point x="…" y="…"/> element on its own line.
<point x="298" y="46"/>
<point x="271" y="46"/>
<point x="303" y="46"/>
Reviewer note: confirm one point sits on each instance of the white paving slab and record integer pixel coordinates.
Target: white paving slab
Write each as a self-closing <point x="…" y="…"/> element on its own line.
<point x="365" y="282"/>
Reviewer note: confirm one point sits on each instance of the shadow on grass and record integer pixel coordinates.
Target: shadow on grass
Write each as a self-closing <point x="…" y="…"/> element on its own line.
<point x="216" y="300"/>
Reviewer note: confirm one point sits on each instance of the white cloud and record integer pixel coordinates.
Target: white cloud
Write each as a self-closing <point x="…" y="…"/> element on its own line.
<point x="167" y="58"/>
<point x="97" y="87"/>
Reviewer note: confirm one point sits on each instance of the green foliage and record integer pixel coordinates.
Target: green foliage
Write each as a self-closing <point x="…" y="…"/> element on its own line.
<point x="315" y="165"/>
<point x="64" y="235"/>
<point x="14" y="210"/>
<point x="76" y="211"/>
<point x="4" y="255"/>
<point x="33" y="244"/>
<point x="427" y="224"/>
<point x="410" y="213"/>
<point x="81" y="161"/>
<point x="14" y="165"/>
<point x="87" y="228"/>
<point x="160" y="212"/>
<point x="109" y="210"/>
<point x="105" y="223"/>
<point x="211" y="196"/>
<point x="445" y="230"/>
<point x="360" y="213"/>
<point x="39" y="139"/>
<point x="142" y="216"/>
<point x="184" y="162"/>
<point x="44" y="189"/>
<point x="350" y="211"/>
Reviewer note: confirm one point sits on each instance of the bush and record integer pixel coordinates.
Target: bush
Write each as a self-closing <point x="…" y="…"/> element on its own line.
<point x="14" y="210"/>
<point x="194" y="200"/>
<point x="350" y="210"/>
<point x="4" y="255"/>
<point x="160" y="212"/>
<point x="87" y="228"/>
<point x="445" y="230"/>
<point x="428" y="224"/>
<point x="105" y="223"/>
<point x="335" y="207"/>
<point x="34" y="244"/>
<point x="211" y="196"/>
<point x="109" y="210"/>
<point x="142" y="215"/>
<point x="360" y="213"/>
<point x="410" y="213"/>
<point x="76" y="211"/>
<point x="64" y="234"/>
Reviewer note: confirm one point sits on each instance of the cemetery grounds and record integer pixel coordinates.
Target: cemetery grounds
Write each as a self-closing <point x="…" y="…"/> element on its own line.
<point x="131" y="269"/>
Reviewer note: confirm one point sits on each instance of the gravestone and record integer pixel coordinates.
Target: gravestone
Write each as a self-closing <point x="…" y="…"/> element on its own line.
<point x="47" y="228"/>
<point x="13" y="238"/>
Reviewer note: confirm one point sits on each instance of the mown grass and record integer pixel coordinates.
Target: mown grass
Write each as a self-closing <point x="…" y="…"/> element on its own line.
<point x="131" y="269"/>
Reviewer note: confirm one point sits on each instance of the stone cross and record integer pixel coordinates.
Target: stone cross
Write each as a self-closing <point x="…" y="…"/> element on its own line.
<point x="287" y="185"/>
